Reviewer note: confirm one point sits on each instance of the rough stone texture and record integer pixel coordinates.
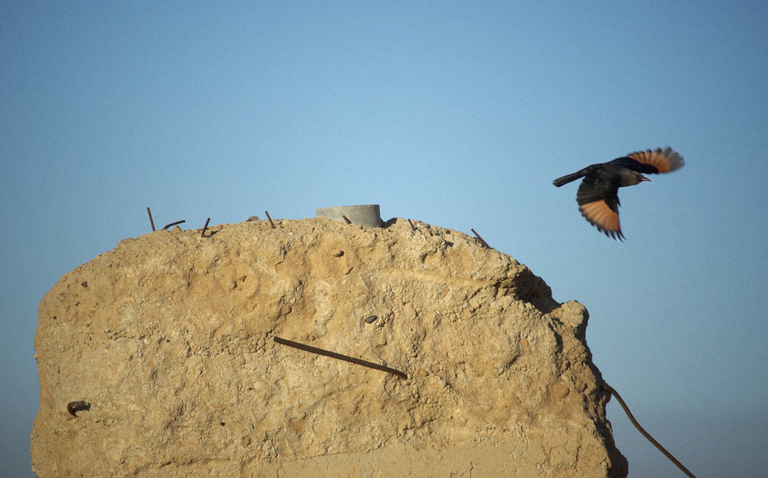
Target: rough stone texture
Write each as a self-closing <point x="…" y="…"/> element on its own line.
<point x="169" y="338"/>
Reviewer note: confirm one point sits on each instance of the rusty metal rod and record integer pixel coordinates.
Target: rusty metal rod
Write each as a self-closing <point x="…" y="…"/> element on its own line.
<point x="346" y="358"/>
<point x="481" y="239"/>
<point x="150" y="219"/>
<point x="412" y="226"/>
<point x="645" y="433"/>
<point x="202" y="234"/>
<point x="270" y="220"/>
<point x="174" y="223"/>
<point x="346" y="219"/>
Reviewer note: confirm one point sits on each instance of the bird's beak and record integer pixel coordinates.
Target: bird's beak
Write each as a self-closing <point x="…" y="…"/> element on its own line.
<point x="646" y="179"/>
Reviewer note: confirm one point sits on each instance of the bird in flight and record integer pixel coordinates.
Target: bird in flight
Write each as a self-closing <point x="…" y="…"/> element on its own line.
<point x="598" y="196"/>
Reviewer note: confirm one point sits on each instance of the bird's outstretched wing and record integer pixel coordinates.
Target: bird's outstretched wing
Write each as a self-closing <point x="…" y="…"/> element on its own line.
<point x="662" y="160"/>
<point x="598" y="201"/>
<point x="604" y="216"/>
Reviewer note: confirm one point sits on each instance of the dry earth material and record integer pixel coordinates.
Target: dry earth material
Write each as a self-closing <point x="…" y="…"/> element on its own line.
<point x="169" y="339"/>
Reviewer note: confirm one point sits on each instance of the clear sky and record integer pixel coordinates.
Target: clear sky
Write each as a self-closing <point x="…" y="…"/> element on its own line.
<point x="459" y="114"/>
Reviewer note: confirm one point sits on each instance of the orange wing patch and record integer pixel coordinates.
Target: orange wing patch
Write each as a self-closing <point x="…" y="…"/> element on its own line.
<point x="599" y="214"/>
<point x="665" y="160"/>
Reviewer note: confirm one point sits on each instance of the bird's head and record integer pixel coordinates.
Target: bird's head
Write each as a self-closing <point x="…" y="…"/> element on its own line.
<point x="630" y="178"/>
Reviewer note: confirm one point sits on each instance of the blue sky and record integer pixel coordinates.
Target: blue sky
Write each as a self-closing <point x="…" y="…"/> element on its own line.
<point x="458" y="114"/>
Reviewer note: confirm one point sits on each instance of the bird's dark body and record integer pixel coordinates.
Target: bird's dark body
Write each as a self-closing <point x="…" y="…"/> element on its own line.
<point x="609" y="172"/>
<point x="598" y="193"/>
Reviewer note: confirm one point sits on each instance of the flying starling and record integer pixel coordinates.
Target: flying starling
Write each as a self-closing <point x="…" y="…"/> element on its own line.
<point x="598" y="194"/>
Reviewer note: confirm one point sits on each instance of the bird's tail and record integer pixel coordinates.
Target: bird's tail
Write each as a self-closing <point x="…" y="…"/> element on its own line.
<point x="569" y="177"/>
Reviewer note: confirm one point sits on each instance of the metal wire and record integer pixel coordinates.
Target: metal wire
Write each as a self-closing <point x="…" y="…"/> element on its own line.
<point x="645" y="433"/>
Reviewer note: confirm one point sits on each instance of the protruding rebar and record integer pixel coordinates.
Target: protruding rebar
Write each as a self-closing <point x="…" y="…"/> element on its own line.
<point x="645" y="433"/>
<point x="481" y="239"/>
<point x="346" y="358"/>
<point x="174" y="223"/>
<point x="150" y="220"/>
